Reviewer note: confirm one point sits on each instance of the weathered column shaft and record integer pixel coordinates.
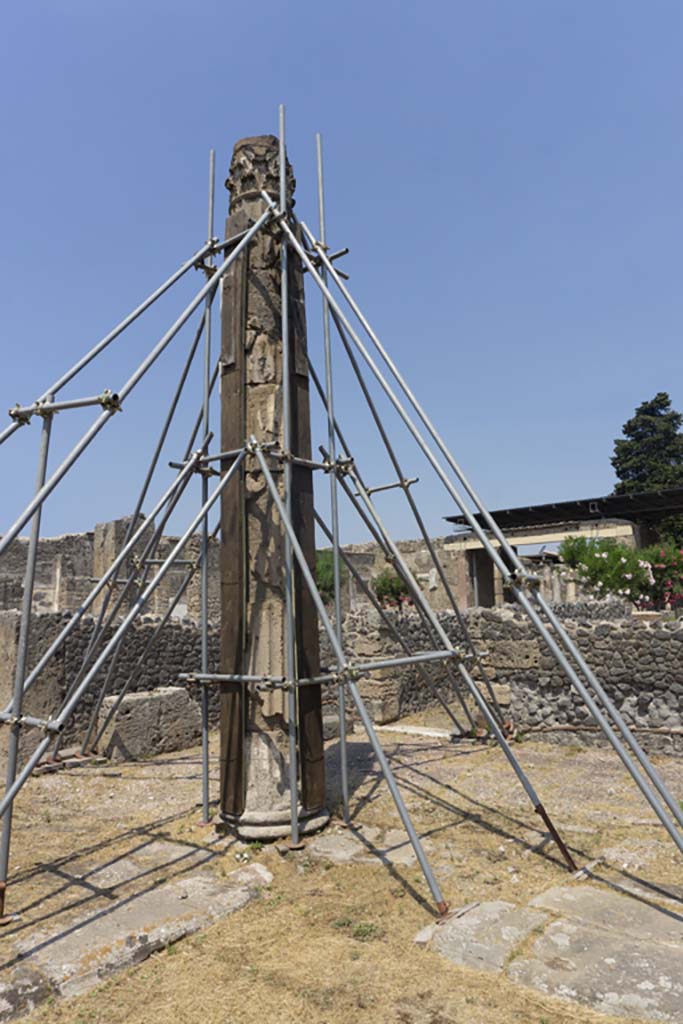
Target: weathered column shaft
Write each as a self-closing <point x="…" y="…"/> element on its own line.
<point x="254" y="754"/>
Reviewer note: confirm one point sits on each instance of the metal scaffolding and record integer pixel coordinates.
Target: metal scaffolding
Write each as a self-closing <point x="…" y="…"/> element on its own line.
<point x="126" y="587"/>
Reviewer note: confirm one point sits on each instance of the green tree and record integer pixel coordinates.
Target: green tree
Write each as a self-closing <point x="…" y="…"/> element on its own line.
<point x="649" y="457"/>
<point x="650" y="454"/>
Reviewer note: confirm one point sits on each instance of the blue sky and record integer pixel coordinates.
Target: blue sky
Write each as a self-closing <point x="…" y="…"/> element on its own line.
<point x="508" y="177"/>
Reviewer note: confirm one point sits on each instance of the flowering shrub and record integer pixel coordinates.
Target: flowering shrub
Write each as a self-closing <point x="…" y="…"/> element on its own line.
<point x="666" y="561"/>
<point x="391" y="589"/>
<point x="650" y="577"/>
<point x="607" y="567"/>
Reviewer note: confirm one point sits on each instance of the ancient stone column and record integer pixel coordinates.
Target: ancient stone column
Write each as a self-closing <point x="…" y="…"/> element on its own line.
<point x="254" y="727"/>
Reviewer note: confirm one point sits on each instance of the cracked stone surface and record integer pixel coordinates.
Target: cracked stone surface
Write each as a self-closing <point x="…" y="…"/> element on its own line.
<point x="486" y="935"/>
<point x="71" y="960"/>
<point x="627" y="917"/>
<point x="609" y="950"/>
<point x="369" y="846"/>
<point x="612" y="973"/>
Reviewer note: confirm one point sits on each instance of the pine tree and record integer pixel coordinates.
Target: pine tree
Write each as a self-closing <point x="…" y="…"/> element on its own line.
<point x="650" y="455"/>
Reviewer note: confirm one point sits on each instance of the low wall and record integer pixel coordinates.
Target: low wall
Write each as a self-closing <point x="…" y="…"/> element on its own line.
<point x="177" y="650"/>
<point x="639" y="663"/>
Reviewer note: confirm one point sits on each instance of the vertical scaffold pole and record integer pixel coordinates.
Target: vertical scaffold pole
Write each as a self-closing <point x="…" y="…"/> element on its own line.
<point x="287" y="444"/>
<point x="204" y="571"/>
<point x="441" y="904"/>
<point x="334" y="505"/>
<point x="22" y="655"/>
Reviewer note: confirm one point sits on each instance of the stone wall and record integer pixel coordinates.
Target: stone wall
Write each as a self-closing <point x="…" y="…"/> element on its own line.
<point x="178" y="650"/>
<point x="68" y="567"/>
<point x="639" y="663"/>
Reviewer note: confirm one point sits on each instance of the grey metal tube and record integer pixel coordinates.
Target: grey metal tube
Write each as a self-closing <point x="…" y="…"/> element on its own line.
<point x="69" y="707"/>
<point x="573" y="677"/>
<point x="22" y="655"/>
<point x="493" y="554"/>
<point x="20" y="411"/>
<point x="204" y="570"/>
<point x="47" y="488"/>
<point x="334" y="505"/>
<point x="357" y="699"/>
<point x="287" y="444"/>
<point x="148" y="647"/>
<point x="221" y="456"/>
<point x="108" y="338"/>
<point x="110" y="573"/>
<point x="415" y="511"/>
<point x="411" y="659"/>
<point x="30" y="720"/>
<point x="200" y="414"/>
<point x="222" y="677"/>
<point x="390" y="625"/>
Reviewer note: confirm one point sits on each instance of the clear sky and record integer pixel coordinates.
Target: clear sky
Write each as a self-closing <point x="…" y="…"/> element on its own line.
<point x="508" y="177"/>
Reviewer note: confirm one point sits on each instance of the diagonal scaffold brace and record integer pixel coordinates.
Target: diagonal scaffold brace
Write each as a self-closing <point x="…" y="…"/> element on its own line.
<point x="517" y="579"/>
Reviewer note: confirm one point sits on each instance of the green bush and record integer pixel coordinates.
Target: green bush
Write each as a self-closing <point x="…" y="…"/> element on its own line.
<point x="607" y="567"/>
<point x="666" y="562"/>
<point x="390" y="588"/>
<point x="324" y="574"/>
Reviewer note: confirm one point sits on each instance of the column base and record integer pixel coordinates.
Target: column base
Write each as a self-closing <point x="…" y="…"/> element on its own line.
<point x="267" y="825"/>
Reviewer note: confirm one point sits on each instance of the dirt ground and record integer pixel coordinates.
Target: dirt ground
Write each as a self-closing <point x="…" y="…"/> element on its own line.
<point x="332" y="943"/>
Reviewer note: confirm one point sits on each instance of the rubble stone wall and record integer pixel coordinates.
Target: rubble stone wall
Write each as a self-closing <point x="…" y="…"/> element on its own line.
<point x="639" y="663"/>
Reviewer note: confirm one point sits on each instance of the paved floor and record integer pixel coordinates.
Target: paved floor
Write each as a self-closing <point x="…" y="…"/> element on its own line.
<point x="112" y="879"/>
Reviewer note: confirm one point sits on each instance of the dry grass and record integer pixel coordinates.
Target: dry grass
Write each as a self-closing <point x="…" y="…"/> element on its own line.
<point x="333" y="943"/>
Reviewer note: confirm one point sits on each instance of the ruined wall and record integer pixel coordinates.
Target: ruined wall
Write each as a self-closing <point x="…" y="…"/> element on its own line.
<point x="369" y="561"/>
<point x="178" y="651"/>
<point x="68" y="567"/>
<point x="639" y="663"/>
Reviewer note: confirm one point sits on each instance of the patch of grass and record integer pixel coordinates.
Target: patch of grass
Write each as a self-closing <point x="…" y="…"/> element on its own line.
<point x="366" y="932"/>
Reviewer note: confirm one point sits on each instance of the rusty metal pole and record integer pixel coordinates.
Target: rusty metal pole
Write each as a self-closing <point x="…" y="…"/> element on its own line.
<point x="255" y="791"/>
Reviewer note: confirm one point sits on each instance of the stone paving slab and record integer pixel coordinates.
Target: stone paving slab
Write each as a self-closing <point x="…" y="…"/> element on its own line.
<point x="611" y="951"/>
<point x="485" y="936"/>
<point x="601" y="909"/>
<point x="70" y="960"/>
<point x="367" y="846"/>
<point x="603" y="969"/>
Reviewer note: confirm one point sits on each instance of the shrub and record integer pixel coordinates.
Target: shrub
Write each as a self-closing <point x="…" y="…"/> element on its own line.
<point x="666" y="561"/>
<point x="324" y="574"/>
<point x="391" y="589"/>
<point x="607" y="567"/>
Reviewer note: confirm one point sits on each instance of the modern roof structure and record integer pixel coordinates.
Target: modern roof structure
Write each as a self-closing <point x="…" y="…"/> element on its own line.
<point x="648" y="507"/>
